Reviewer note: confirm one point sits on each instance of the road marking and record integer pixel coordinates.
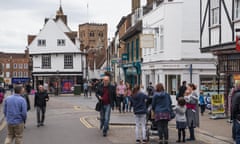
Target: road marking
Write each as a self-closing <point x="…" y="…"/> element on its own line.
<point x="85" y="123"/>
<point x="77" y="108"/>
<point x="3" y="125"/>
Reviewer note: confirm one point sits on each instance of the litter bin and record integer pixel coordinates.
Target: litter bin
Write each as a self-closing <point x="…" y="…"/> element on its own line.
<point x="77" y="90"/>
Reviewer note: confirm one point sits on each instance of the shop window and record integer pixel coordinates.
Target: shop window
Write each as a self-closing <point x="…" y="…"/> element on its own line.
<point x="172" y="83"/>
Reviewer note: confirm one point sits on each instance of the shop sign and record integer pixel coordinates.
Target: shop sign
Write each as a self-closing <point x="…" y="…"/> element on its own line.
<point x="125" y="56"/>
<point x="131" y="71"/>
<point x="217" y="102"/>
<point x="128" y="65"/>
<point x="20" y="80"/>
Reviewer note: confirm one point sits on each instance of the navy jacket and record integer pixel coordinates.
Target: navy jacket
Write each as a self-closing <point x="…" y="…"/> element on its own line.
<point x="161" y="102"/>
<point x="139" y="103"/>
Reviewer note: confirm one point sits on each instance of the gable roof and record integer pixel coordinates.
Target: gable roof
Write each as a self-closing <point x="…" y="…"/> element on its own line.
<point x="52" y="31"/>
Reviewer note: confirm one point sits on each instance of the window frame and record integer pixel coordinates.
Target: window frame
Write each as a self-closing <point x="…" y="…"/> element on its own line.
<point x="161" y="38"/>
<point x="46" y="61"/>
<point x="237" y="9"/>
<point x="61" y="42"/>
<point x="215" y="11"/>
<point x="68" y="61"/>
<point x="41" y="42"/>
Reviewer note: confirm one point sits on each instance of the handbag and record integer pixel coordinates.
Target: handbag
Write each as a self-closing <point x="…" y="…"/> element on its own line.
<point x="98" y="106"/>
<point x="172" y="113"/>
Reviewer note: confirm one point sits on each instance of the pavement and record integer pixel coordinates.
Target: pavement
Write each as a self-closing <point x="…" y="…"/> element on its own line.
<point x="122" y="125"/>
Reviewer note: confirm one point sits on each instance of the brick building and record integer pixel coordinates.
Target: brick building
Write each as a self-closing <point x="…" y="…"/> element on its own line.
<point x="16" y="67"/>
<point x="94" y="41"/>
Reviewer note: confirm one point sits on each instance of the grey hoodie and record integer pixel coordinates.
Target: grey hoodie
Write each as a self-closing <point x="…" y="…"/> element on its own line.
<point x="180" y="113"/>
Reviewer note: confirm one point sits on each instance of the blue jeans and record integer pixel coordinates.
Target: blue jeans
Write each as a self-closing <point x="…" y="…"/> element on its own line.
<point x="105" y="117"/>
<point x="236" y="127"/>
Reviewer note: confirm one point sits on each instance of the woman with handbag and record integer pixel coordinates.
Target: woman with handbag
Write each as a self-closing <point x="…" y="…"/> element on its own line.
<point x="162" y="107"/>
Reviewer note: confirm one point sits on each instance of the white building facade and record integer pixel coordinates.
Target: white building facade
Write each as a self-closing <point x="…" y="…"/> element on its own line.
<point x="176" y="56"/>
<point x="58" y="62"/>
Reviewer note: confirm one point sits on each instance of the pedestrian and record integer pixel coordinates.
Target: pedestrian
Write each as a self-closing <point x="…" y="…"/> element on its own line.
<point x="161" y="105"/>
<point x="121" y="90"/>
<point x="90" y="89"/>
<point x="2" y="93"/>
<point x="192" y="114"/>
<point x="140" y="111"/>
<point x="40" y="103"/>
<point x="26" y="97"/>
<point x="182" y="90"/>
<point x="28" y="88"/>
<point x="15" y="112"/>
<point x="128" y="94"/>
<point x="107" y="95"/>
<point x="181" y="121"/>
<point x="150" y="89"/>
<point x="202" y="102"/>
<point x="235" y="111"/>
<point x="11" y="88"/>
<point x="85" y="89"/>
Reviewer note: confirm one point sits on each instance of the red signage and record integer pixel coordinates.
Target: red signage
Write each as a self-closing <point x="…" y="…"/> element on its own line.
<point x="237" y="43"/>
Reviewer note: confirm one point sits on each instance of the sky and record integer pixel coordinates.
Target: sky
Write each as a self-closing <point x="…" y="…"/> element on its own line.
<point x="22" y="17"/>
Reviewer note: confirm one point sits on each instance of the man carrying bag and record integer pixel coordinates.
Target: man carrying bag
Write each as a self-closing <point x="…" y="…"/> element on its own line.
<point x="106" y="95"/>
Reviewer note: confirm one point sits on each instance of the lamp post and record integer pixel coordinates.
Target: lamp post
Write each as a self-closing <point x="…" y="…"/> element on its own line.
<point x="57" y="83"/>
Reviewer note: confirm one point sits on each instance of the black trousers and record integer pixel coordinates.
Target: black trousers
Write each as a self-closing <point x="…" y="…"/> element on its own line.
<point x="41" y="114"/>
<point x="121" y="103"/>
<point x="162" y="126"/>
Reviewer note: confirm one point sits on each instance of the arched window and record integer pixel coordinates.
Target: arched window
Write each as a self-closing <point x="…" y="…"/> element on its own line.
<point x="91" y="34"/>
<point x="100" y="34"/>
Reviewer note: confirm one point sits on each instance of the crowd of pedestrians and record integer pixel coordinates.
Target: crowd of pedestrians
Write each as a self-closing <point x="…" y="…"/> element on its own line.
<point x="126" y="97"/>
<point x="123" y="98"/>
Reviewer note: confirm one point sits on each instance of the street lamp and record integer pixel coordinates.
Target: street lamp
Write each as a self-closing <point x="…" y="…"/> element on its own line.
<point x="57" y="83"/>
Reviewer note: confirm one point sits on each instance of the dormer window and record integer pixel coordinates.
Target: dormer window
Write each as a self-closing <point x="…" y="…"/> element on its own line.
<point x="41" y="42"/>
<point x="60" y="42"/>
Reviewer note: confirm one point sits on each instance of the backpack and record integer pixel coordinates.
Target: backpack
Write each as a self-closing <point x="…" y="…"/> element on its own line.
<point x="1" y="97"/>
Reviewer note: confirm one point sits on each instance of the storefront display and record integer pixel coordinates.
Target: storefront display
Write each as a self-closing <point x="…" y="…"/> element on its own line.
<point x="209" y="85"/>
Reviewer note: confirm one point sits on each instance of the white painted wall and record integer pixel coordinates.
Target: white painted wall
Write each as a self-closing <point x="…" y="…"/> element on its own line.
<point x="51" y="32"/>
<point x="226" y="29"/>
<point x="57" y="63"/>
<point x="181" y="23"/>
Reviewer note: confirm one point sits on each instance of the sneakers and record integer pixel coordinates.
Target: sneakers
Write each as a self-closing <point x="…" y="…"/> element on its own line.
<point x="144" y="141"/>
<point x="138" y="141"/>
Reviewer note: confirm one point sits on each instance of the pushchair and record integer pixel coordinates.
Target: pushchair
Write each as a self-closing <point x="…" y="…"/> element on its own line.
<point x="151" y="125"/>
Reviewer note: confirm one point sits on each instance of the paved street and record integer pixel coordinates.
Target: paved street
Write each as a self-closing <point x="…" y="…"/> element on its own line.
<point x="72" y="120"/>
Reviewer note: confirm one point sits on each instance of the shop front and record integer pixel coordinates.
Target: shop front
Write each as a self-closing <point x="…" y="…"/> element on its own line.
<point x="132" y="73"/>
<point x="58" y="83"/>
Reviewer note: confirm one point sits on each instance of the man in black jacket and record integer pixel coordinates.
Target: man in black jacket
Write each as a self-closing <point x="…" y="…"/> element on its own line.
<point x="107" y="95"/>
<point x="182" y="90"/>
<point x="236" y="115"/>
<point x="40" y="102"/>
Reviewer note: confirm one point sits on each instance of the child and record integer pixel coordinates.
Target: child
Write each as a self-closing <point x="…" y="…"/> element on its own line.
<point x="202" y="103"/>
<point x="181" y="121"/>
